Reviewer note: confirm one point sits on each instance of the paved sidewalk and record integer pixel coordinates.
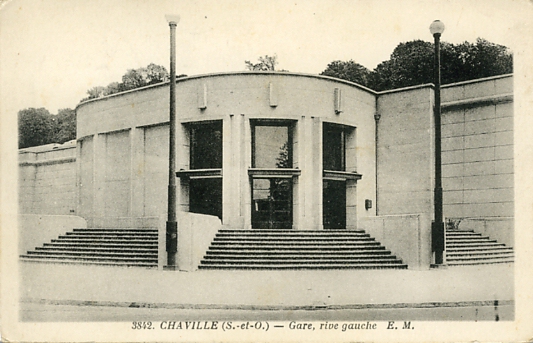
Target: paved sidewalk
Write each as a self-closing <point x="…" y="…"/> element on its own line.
<point x="343" y="289"/>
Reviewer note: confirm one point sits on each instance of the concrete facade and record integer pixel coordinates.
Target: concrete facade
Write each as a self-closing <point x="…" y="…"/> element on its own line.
<point x="477" y="149"/>
<point x="126" y="136"/>
<point x="117" y="173"/>
<point x="47" y="179"/>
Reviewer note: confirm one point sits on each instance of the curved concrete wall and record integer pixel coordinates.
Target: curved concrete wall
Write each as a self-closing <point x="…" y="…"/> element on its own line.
<point x="249" y="93"/>
<point x="123" y="142"/>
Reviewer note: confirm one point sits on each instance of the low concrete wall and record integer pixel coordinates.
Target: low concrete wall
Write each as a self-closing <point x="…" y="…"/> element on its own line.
<point x="406" y="236"/>
<point x="500" y="229"/>
<point x="36" y="229"/>
<point x="195" y="234"/>
<point x="123" y="222"/>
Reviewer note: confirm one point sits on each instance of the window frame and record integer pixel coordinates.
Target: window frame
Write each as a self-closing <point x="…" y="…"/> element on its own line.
<point x="196" y="125"/>
<point x="289" y="124"/>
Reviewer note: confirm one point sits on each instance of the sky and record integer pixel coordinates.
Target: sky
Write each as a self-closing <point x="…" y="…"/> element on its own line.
<point x="53" y="51"/>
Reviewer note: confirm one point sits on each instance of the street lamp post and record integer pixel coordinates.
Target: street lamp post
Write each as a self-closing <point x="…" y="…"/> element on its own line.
<point x="437" y="226"/>
<point x="172" y="223"/>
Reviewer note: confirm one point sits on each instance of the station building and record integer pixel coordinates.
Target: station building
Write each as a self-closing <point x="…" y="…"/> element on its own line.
<point x="286" y="151"/>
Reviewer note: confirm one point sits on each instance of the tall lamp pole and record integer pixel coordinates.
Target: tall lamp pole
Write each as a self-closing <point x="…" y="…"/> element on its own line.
<point x="172" y="223"/>
<point x="437" y="226"/>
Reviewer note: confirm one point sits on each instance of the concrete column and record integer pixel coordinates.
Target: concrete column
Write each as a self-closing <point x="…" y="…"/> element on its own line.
<point x="317" y="165"/>
<point x="351" y="185"/>
<point x="298" y="198"/>
<point x="99" y="165"/>
<point x="137" y="174"/>
<point x="78" y="177"/>
<point x="310" y="181"/>
<point x="230" y="176"/>
<point x="351" y="204"/>
<point x="245" y="140"/>
<point x="183" y="151"/>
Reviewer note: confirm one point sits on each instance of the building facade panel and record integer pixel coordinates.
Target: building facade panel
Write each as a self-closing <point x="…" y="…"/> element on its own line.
<point x="242" y="102"/>
<point x="47" y="179"/>
<point x="404" y="175"/>
<point x="333" y="149"/>
<point x="487" y="178"/>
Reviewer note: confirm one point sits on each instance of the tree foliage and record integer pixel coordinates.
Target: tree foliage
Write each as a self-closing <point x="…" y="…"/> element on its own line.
<point x="265" y="63"/>
<point x="65" y="125"/>
<point x="37" y="126"/>
<point x="349" y="70"/>
<point x="411" y="63"/>
<point x="133" y="78"/>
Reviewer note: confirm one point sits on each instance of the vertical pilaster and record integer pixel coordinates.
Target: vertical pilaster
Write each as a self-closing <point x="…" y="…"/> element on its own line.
<point x="317" y="165"/>
<point x="183" y="150"/>
<point x="298" y="198"/>
<point x="351" y="204"/>
<point x="310" y="180"/>
<point x="99" y="166"/>
<point x="137" y="174"/>
<point x="351" y="185"/>
<point x="230" y="171"/>
<point x="245" y="163"/>
<point x="78" y="177"/>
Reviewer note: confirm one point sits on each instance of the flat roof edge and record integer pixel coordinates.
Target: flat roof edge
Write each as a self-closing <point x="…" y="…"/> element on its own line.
<point x="404" y="89"/>
<point x="316" y="76"/>
<point x="483" y="79"/>
<point x="235" y="73"/>
<point x="448" y="85"/>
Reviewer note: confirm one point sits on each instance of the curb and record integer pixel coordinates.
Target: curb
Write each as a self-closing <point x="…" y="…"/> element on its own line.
<point x="126" y="304"/>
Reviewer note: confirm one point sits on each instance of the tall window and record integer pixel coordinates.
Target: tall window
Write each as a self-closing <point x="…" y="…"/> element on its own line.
<point x="334" y="147"/>
<point x="271" y="193"/>
<point x="272" y="145"/>
<point x="334" y="190"/>
<point x="206" y="146"/>
<point x="205" y="190"/>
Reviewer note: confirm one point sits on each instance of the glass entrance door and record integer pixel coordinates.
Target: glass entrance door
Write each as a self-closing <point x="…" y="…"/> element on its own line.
<point x="334" y="207"/>
<point x="272" y="203"/>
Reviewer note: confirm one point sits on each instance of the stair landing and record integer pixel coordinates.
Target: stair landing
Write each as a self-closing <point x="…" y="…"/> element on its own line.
<point x="280" y="249"/>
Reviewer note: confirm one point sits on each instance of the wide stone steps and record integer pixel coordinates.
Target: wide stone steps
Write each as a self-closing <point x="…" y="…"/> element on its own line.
<point x="295" y="257"/>
<point x="119" y="247"/>
<point x="316" y="252"/>
<point x="479" y="248"/>
<point x="97" y="249"/>
<point x="278" y="249"/>
<point x="471" y="248"/>
<point x="99" y="253"/>
<point x="64" y="260"/>
<point x="292" y="266"/>
<point x="107" y="238"/>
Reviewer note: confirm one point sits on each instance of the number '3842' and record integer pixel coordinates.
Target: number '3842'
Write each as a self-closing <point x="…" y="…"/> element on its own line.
<point x="142" y="325"/>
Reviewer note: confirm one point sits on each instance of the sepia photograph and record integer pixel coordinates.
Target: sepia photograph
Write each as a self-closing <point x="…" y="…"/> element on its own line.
<point x="198" y="170"/>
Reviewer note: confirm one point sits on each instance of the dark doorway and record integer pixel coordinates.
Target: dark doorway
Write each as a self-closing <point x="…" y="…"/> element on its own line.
<point x="334" y="207"/>
<point x="334" y="147"/>
<point x="205" y="196"/>
<point x="272" y="203"/>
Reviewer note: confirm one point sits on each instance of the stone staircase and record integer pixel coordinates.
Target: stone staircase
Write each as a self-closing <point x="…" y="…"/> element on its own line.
<point x="117" y="247"/>
<point x="289" y="249"/>
<point x="261" y="249"/>
<point x="471" y="248"/>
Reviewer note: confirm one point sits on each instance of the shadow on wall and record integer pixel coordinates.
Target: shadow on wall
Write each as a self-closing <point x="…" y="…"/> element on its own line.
<point x="37" y="229"/>
<point x="195" y="234"/>
<point x="406" y="236"/>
